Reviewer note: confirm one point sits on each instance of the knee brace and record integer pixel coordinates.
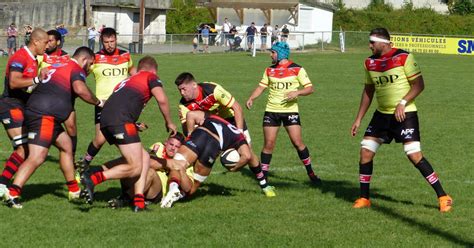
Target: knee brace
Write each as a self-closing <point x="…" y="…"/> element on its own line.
<point x="199" y="178"/>
<point x="370" y="145"/>
<point x="247" y="137"/>
<point x="19" y="140"/>
<point x="412" y="147"/>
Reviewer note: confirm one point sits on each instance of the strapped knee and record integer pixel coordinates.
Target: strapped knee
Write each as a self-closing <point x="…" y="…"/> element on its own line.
<point x="370" y="145"/>
<point x="199" y="178"/>
<point x="412" y="147"/>
<point x="19" y="140"/>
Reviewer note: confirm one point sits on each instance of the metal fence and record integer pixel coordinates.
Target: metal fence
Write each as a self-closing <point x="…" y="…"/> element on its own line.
<point x="183" y="43"/>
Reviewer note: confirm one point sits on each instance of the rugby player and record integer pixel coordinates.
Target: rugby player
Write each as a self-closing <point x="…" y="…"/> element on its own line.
<point x="212" y="135"/>
<point x="112" y="65"/>
<point x="394" y="76"/>
<point x="55" y="55"/>
<point x="117" y="123"/>
<point x="283" y="80"/>
<point x="47" y="108"/>
<point x="214" y="99"/>
<point x="157" y="179"/>
<point x="21" y="73"/>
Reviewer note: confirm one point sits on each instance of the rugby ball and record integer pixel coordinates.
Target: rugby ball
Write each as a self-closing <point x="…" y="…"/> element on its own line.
<point x="229" y="158"/>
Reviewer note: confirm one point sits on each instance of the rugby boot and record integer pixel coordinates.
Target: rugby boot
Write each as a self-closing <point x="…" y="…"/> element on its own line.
<point x="361" y="203"/>
<point x="269" y="191"/>
<point x="74" y="195"/>
<point x="119" y="202"/>
<point x="315" y="180"/>
<point x="88" y="192"/>
<point x="3" y="189"/>
<point x="173" y="195"/>
<point x="82" y="165"/>
<point x="445" y="203"/>
<point x="12" y="201"/>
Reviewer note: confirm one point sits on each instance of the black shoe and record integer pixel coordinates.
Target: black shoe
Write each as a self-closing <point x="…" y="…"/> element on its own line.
<point x="13" y="202"/>
<point x="315" y="180"/>
<point x="137" y="209"/>
<point x="82" y="165"/>
<point x="120" y="202"/>
<point x="88" y="192"/>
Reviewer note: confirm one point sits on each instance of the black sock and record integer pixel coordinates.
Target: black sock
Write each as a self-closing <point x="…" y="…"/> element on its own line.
<point x="91" y="152"/>
<point x="365" y="174"/>
<point x="428" y="173"/>
<point x="306" y="159"/>
<point x="74" y="145"/>
<point x="265" y="159"/>
<point x="259" y="175"/>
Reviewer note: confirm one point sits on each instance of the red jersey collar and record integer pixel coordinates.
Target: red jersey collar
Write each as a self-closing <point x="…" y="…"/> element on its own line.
<point x="285" y="65"/>
<point x="389" y="54"/>
<point x="199" y="96"/>
<point x="29" y="52"/>
<point x="116" y="52"/>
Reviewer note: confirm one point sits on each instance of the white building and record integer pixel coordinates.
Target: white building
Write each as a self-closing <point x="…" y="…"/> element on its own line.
<point x="308" y="23"/>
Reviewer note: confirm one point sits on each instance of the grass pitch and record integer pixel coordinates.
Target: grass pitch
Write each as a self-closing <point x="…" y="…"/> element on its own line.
<point x="230" y="210"/>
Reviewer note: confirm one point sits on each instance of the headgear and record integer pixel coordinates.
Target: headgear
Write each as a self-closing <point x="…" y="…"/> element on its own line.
<point x="282" y="49"/>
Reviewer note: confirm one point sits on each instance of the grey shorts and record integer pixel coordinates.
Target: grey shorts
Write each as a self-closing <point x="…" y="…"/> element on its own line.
<point x="11" y="42"/>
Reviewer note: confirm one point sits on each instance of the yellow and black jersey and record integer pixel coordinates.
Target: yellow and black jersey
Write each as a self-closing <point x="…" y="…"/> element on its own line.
<point x="282" y="79"/>
<point x="109" y="70"/>
<point x="212" y="98"/>
<point x="390" y="74"/>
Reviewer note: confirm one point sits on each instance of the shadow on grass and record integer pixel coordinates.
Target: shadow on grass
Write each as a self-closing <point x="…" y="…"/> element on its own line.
<point x="348" y="191"/>
<point x="37" y="190"/>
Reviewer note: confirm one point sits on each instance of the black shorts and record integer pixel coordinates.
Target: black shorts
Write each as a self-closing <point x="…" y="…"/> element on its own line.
<point x="97" y="114"/>
<point x="272" y="119"/>
<point x="11" y="113"/>
<point x="387" y="128"/>
<point x="205" y="146"/>
<point x="121" y="134"/>
<point x="232" y="121"/>
<point x="43" y="130"/>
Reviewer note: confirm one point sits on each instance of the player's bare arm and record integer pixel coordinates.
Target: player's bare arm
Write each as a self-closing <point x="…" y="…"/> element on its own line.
<point x="255" y="94"/>
<point x="238" y="115"/>
<point x="303" y="92"/>
<point x="17" y="81"/>
<point x="81" y="89"/>
<point x="194" y="118"/>
<point x="163" y="104"/>
<point x="245" y="156"/>
<point x="365" y="101"/>
<point x="417" y="86"/>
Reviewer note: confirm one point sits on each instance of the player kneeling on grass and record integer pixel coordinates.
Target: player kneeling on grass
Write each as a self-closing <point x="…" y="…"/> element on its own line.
<point x="212" y="136"/>
<point x="157" y="176"/>
<point x="117" y="123"/>
<point x="47" y="108"/>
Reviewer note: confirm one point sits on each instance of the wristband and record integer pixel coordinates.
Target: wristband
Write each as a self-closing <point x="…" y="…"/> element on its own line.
<point x="403" y="102"/>
<point x="36" y="80"/>
<point x="100" y="104"/>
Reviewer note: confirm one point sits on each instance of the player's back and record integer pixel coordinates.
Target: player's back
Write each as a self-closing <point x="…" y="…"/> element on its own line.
<point x="54" y="96"/>
<point x="229" y="135"/>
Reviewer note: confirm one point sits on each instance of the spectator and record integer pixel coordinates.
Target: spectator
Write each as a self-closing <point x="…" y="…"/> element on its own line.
<point x="232" y="33"/>
<point x="250" y="33"/>
<point x="91" y="35"/>
<point x="12" y="33"/>
<point x="205" y="38"/>
<point x="28" y="31"/>
<point x="225" y="32"/>
<point x="100" y="31"/>
<point x="263" y="37"/>
<point x="63" y="31"/>
<point x="284" y="33"/>
<point x="195" y="43"/>
<point x="275" y="34"/>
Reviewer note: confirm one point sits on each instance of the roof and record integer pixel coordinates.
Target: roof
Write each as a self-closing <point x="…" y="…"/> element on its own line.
<point x="134" y="4"/>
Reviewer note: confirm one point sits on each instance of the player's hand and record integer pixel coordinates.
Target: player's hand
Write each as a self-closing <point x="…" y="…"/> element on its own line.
<point x="249" y="103"/>
<point x="171" y="127"/>
<point x="355" y="128"/>
<point x="290" y="96"/>
<point x="400" y="113"/>
<point x="44" y="73"/>
<point x="141" y="126"/>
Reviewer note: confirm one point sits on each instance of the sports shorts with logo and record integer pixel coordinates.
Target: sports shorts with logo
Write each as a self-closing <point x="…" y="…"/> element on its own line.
<point x="272" y="119"/>
<point x="387" y="128"/>
<point x="121" y="134"/>
<point x="11" y="113"/>
<point x="43" y="130"/>
<point x="205" y="146"/>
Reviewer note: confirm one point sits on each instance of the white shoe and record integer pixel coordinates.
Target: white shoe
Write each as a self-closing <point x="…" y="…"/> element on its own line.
<point x="173" y="196"/>
<point x="3" y="190"/>
<point x="74" y="195"/>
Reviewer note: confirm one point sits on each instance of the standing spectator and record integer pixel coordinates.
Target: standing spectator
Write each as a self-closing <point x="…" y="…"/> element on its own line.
<point x="233" y="32"/>
<point x="275" y="34"/>
<point x="283" y="79"/>
<point x="28" y="30"/>
<point x="284" y="33"/>
<point x="91" y="35"/>
<point x="395" y="78"/>
<point x="263" y="37"/>
<point x="205" y="38"/>
<point x="100" y="32"/>
<point x="250" y="33"/>
<point x="12" y="33"/>
<point x="225" y="32"/>
<point x="63" y="31"/>
<point x="195" y="43"/>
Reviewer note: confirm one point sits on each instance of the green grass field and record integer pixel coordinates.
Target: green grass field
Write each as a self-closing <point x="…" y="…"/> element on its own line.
<point x="230" y="210"/>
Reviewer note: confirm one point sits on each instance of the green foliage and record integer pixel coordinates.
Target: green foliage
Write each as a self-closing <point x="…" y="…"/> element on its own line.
<point x="461" y="7"/>
<point x="185" y="17"/>
<point x="379" y="5"/>
<point x="405" y="20"/>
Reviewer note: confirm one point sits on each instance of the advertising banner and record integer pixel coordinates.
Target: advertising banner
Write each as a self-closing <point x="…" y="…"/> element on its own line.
<point x="429" y="44"/>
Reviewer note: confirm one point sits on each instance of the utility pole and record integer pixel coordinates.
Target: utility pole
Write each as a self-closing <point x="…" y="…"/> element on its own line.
<point x="141" y="26"/>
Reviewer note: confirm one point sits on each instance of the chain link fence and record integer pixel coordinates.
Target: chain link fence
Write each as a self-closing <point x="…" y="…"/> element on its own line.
<point x="183" y="43"/>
